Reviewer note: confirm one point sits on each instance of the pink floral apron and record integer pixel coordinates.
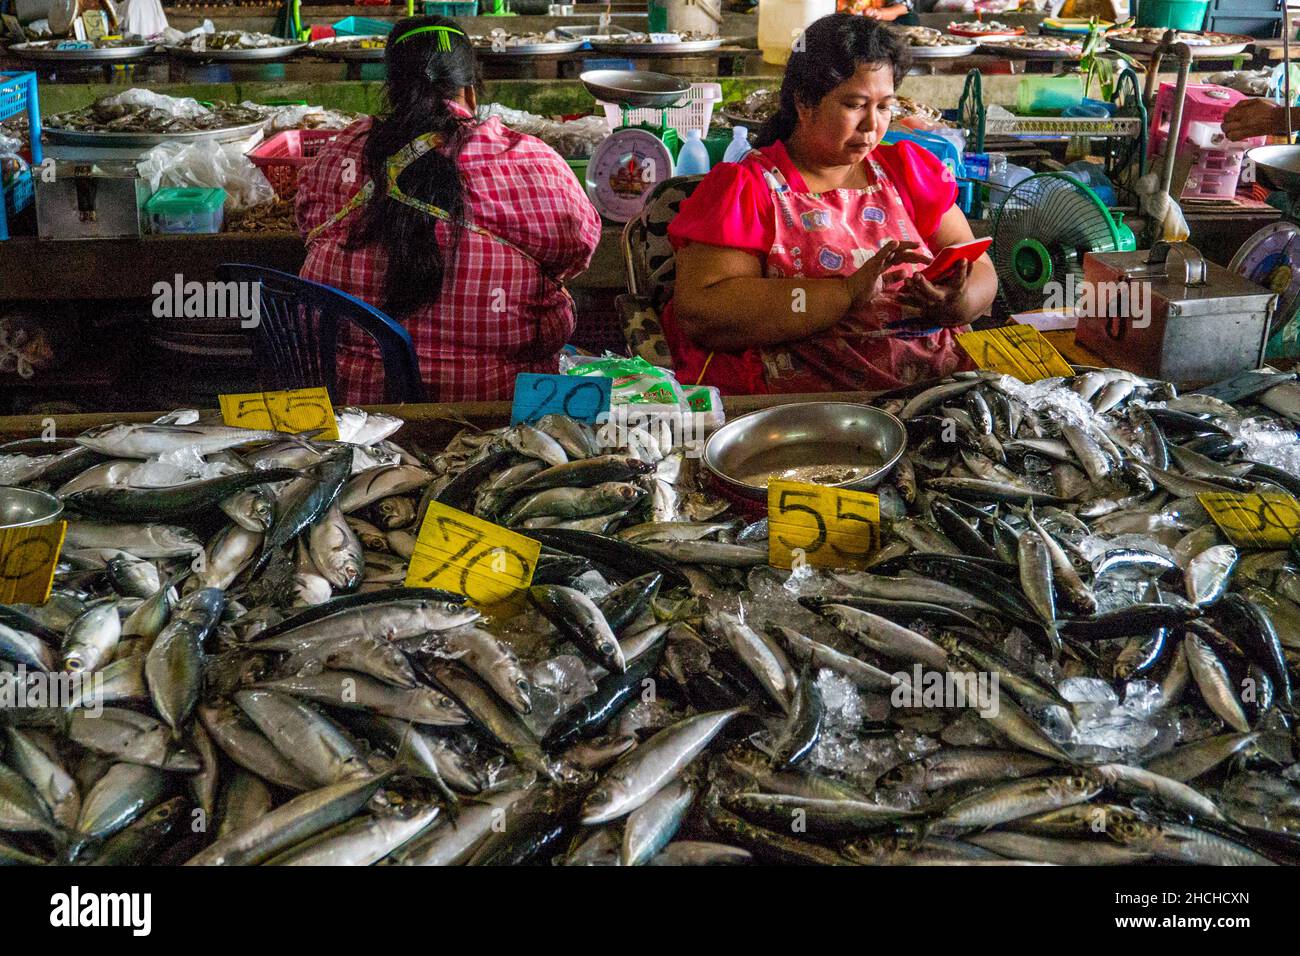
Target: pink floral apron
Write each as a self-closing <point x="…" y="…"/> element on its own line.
<point x="819" y="235"/>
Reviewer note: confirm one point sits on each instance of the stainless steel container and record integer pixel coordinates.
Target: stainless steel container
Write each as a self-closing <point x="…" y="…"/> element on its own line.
<point x="1187" y="321"/>
<point x="91" y="200"/>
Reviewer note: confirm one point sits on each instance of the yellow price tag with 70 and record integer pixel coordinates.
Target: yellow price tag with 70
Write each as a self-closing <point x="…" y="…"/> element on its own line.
<point x="476" y="558"/>
<point x="1269" y="519"/>
<point x="825" y="527"/>
<point x="292" y="410"/>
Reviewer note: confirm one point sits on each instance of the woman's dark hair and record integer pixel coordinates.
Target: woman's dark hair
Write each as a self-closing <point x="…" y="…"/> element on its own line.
<point x="424" y="72"/>
<point x="825" y="55"/>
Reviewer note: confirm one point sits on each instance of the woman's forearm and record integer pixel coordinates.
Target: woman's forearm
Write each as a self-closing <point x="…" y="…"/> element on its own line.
<point x="744" y="312"/>
<point x="981" y="289"/>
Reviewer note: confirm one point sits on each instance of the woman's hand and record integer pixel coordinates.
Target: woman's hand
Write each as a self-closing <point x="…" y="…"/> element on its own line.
<point x="941" y="302"/>
<point x="866" y="283"/>
<point x="1255" y="116"/>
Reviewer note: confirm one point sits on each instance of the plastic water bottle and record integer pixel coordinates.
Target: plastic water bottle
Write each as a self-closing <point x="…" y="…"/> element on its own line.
<point x="738" y="146"/>
<point x="694" y="156"/>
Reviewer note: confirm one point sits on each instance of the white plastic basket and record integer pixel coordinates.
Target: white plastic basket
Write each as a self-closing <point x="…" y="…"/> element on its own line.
<point x="696" y="114"/>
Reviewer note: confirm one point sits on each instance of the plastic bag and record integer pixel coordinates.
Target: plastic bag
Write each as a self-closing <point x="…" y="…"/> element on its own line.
<point x="574" y="139"/>
<point x="208" y="164"/>
<point x="142" y="18"/>
<point x="1159" y="205"/>
<point x="180" y="107"/>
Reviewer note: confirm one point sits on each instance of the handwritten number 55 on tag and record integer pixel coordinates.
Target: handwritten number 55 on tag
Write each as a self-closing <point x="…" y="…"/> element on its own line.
<point x="829" y="527"/>
<point x="584" y="397"/>
<point x="481" y="560"/>
<point x="293" y="410"/>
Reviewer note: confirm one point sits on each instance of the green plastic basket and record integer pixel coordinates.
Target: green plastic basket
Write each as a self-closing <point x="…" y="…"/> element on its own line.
<point x="1172" y="14"/>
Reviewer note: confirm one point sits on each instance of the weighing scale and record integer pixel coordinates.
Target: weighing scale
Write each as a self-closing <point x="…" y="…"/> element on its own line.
<point x="634" y="158"/>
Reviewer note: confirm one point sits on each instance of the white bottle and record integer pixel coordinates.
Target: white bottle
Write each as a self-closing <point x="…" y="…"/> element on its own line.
<point x="739" y="146"/>
<point x="694" y="156"/>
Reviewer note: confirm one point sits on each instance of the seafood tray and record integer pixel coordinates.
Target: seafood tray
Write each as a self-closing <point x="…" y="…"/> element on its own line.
<point x="1033" y="48"/>
<point x="108" y="139"/>
<point x="236" y="54"/>
<point x="529" y="49"/>
<point x="46" y="52"/>
<point x="944" y="52"/>
<point x="1059" y="545"/>
<point x="348" y="48"/>
<point x="1143" y="41"/>
<point x="640" y="47"/>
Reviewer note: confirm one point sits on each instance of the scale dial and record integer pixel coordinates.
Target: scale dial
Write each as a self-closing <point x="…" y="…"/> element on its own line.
<point x="624" y="169"/>
<point x="1271" y="257"/>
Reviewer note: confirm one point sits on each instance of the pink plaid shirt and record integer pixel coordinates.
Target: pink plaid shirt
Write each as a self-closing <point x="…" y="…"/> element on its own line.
<point x="497" y="315"/>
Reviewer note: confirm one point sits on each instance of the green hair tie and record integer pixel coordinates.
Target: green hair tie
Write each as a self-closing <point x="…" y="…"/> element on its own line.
<point x="444" y="41"/>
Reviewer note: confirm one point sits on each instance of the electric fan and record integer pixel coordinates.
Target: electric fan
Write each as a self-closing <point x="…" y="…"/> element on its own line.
<point x="1041" y="233"/>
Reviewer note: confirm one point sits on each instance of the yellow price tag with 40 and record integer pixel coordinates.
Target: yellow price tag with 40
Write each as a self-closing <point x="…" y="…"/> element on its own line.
<point x="292" y="410"/>
<point x="479" y="559"/>
<point x="826" y="527"/>
<point x="1017" y="350"/>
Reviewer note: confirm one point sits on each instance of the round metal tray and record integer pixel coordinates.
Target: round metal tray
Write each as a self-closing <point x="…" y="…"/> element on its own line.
<point x="529" y="49"/>
<point x="637" y="88"/>
<point x="1142" y="48"/>
<point x="259" y="54"/>
<point x="330" y="49"/>
<point x="949" y="52"/>
<point x="1020" y="53"/>
<point x="635" y="49"/>
<point x="68" y="137"/>
<point x="109" y="54"/>
<point x="736" y="119"/>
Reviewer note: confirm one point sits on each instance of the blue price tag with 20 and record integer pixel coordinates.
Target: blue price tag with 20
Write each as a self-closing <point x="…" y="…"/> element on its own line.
<point x="584" y="397"/>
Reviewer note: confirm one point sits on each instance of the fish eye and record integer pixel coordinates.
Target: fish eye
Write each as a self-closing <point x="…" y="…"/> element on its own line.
<point x="522" y="684"/>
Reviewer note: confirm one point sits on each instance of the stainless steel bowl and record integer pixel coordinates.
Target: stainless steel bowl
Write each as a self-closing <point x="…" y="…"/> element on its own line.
<point x="637" y="88"/>
<point x="840" y="444"/>
<point x="23" y="508"/>
<point x="1280" y="166"/>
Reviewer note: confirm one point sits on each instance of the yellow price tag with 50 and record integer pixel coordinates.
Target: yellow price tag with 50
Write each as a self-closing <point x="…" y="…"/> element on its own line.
<point x="292" y="410"/>
<point x="826" y="527"/>
<point x="476" y="558"/>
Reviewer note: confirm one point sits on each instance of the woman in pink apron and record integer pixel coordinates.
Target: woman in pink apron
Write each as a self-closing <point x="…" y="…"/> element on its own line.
<point x="795" y="266"/>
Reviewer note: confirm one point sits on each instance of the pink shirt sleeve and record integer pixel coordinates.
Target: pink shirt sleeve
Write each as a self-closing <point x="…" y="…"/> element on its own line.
<point x="923" y="182"/>
<point x="731" y="207"/>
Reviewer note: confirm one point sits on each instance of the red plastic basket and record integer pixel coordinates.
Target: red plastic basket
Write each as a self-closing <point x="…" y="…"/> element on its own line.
<point x="283" y="157"/>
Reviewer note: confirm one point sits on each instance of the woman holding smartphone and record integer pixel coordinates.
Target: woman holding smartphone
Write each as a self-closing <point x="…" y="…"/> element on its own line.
<point x="796" y="266"/>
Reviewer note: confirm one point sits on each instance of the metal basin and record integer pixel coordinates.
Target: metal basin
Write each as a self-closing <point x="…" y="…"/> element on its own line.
<point x="840" y="444"/>
<point x="23" y="508"/>
<point x="634" y="87"/>
<point x="1279" y="165"/>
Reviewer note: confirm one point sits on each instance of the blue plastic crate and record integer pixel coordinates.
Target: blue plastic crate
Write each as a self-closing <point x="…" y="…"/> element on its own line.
<point x="450" y="8"/>
<point x="17" y="95"/>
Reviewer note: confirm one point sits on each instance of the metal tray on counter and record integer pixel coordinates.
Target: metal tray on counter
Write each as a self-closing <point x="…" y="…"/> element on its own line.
<point x="626" y="48"/>
<point x="949" y="52"/>
<point x="1021" y="53"/>
<point x="39" y="52"/>
<point x="74" y="137"/>
<point x="529" y="49"/>
<point x="325" y="49"/>
<point x="1143" y="48"/>
<point x="255" y="55"/>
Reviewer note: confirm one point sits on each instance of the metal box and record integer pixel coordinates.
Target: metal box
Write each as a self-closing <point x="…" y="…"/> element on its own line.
<point x="1189" y="322"/>
<point x="90" y="200"/>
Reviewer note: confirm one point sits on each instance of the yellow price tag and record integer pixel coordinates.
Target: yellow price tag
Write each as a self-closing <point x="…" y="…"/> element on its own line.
<point x="294" y="410"/>
<point x="477" y="558"/>
<point x="828" y="527"/>
<point x="373" y="44"/>
<point x="1017" y="350"/>
<point x="1270" y="519"/>
<point x="27" y="560"/>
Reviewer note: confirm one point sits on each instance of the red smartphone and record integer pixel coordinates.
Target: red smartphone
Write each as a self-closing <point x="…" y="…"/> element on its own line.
<point x="949" y="256"/>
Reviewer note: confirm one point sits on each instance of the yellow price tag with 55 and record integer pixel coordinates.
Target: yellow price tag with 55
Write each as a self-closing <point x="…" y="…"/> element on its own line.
<point x="27" y="560"/>
<point x="826" y="527"/>
<point x="479" y="559"/>
<point x="1269" y="519"/>
<point x="292" y="410"/>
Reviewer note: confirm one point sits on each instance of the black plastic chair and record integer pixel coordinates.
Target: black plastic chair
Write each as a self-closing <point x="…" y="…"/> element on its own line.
<point x="297" y="334"/>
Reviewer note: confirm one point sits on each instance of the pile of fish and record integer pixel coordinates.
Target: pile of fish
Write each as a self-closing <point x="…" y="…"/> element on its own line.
<point x="1054" y="657"/>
